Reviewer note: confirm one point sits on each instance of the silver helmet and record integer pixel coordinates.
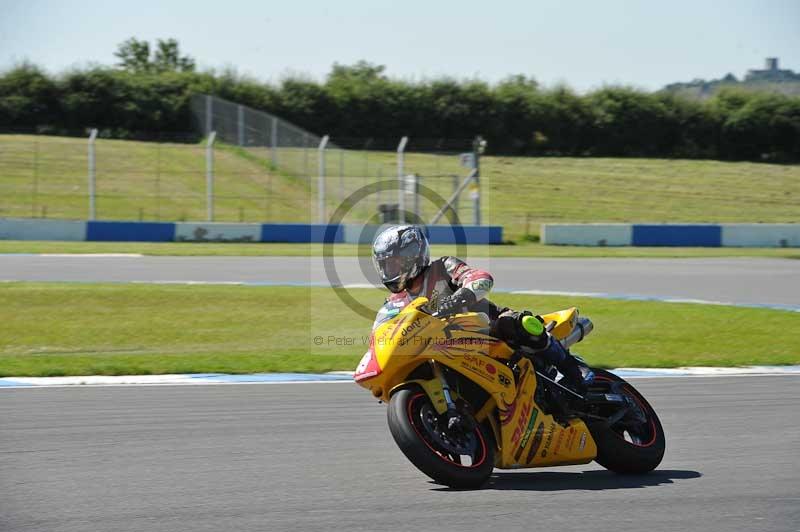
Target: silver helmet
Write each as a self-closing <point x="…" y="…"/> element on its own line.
<point x="399" y="254"/>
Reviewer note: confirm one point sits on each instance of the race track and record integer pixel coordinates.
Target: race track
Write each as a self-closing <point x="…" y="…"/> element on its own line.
<point x="750" y="281"/>
<point x="319" y="457"/>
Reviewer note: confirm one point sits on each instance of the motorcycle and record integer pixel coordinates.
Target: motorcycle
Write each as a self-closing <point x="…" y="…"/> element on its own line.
<point x="462" y="402"/>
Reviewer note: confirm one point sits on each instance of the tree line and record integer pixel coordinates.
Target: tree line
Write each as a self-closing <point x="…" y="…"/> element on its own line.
<point x="152" y="93"/>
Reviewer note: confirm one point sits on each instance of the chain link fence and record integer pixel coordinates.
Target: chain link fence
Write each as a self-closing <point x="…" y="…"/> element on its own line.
<point x="338" y="169"/>
<point x="186" y="178"/>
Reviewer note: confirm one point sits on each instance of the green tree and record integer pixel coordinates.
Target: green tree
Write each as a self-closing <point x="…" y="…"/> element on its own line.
<point x="152" y="93"/>
<point x="361" y="71"/>
<point x="169" y="59"/>
<point x="135" y="56"/>
<point x="28" y="97"/>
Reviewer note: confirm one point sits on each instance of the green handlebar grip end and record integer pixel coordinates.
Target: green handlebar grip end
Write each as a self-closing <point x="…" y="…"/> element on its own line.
<point x="533" y="325"/>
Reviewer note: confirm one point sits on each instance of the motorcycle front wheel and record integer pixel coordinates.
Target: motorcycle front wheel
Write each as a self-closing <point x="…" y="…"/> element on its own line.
<point x="630" y="445"/>
<point x="455" y="457"/>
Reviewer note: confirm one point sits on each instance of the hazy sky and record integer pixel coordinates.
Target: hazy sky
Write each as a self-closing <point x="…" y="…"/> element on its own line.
<point x="583" y="43"/>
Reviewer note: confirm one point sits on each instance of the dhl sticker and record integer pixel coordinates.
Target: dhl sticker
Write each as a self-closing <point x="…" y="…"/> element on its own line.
<point x="537" y="441"/>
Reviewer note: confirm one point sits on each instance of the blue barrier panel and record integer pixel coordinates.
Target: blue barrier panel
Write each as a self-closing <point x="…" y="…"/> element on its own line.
<point x="330" y="233"/>
<point x="468" y="234"/>
<point x="130" y="231"/>
<point x="301" y="233"/>
<point x="677" y="235"/>
<point x="447" y="234"/>
<point x="495" y="234"/>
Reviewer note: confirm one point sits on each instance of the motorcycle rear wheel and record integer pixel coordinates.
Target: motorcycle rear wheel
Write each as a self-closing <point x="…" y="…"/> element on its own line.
<point x="439" y="454"/>
<point x="629" y="449"/>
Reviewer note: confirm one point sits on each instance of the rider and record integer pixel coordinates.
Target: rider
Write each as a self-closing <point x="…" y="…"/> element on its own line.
<point x="402" y="258"/>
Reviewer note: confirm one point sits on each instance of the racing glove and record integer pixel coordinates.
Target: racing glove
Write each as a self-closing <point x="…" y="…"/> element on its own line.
<point x="458" y="302"/>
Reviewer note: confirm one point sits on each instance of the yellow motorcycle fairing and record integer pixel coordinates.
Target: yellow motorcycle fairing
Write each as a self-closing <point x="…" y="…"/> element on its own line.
<point x="532" y="438"/>
<point x="565" y="321"/>
<point x="525" y="436"/>
<point x="413" y="337"/>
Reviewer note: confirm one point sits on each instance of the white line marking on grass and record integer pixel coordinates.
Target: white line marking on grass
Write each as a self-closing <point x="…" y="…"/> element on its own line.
<point x="204" y="379"/>
<point x="225" y="283"/>
<point x="90" y="255"/>
<point x="659" y="299"/>
<point x="600" y="295"/>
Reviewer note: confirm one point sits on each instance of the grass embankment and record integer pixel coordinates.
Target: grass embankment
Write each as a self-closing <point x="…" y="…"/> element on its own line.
<point x="43" y="176"/>
<point x="167" y="182"/>
<point x="77" y="329"/>
<point x="527" y="249"/>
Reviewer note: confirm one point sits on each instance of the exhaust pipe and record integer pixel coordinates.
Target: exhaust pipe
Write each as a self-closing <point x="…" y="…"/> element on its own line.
<point x="583" y="327"/>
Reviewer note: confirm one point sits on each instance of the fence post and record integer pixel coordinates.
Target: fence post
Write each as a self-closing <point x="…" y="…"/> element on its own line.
<point x="415" y="188"/>
<point x="210" y="176"/>
<point x="321" y="180"/>
<point x="478" y="146"/>
<point x="454" y="198"/>
<point x="92" y="175"/>
<point x="456" y="184"/>
<point x="379" y="195"/>
<point x="35" y="176"/>
<point x="305" y="156"/>
<point x="209" y="114"/>
<point x="341" y="174"/>
<point x="401" y="192"/>
<point x="240" y="123"/>
<point x="274" y="136"/>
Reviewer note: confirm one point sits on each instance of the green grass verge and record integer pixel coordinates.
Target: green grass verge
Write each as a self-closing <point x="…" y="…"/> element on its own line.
<point x="315" y="250"/>
<point x="47" y="175"/>
<point x="79" y="329"/>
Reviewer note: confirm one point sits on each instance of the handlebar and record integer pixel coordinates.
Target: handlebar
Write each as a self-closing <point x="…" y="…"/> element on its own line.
<point x="438" y="314"/>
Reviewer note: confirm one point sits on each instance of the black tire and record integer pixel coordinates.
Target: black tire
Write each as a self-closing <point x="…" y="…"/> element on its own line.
<point x="405" y="414"/>
<point x="614" y="451"/>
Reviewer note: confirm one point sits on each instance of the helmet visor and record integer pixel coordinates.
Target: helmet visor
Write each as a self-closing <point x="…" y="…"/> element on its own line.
<point x="393" y="267"/>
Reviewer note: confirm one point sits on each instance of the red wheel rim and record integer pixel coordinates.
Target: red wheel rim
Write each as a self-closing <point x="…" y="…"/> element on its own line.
<point x="478" y="435"/>
<point x="630" y="392"/>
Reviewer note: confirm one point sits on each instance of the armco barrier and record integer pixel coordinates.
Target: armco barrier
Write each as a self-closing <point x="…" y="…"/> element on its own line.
<point x="761" y="235"/>
<point x="35" y="229"/>
<point x="118" y="231"/>
<point x="687" y="235"/>
<point x="587" y="234"/>
<point x="361" y="234"/>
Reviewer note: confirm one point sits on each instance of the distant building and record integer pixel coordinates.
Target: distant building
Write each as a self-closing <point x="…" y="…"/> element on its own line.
<point x="771" y="79"/>
<point x="771" y="72"/>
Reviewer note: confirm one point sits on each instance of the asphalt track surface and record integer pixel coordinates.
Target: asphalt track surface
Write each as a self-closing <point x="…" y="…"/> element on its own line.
<point x="319" y="457"/>
<point x="732" y="280"/>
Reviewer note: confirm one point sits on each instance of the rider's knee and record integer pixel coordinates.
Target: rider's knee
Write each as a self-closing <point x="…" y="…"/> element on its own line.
<point x="508" y="327"/>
